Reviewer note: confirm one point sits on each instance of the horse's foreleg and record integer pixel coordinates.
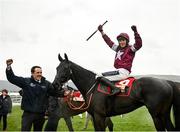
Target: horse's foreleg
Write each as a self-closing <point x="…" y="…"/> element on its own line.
<point x="99" y="122"/>
<point x="69" y="123"/>
<point x="52" y="123"/>
<point x="109" y="124"/>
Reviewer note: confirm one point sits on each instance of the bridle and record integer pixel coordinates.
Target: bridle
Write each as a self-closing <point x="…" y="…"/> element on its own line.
<point x="84" y="105"/>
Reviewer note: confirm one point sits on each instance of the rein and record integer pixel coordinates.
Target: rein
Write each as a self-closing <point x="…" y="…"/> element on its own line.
<point x="91" y="88"/>
<point x="84" y="105"/>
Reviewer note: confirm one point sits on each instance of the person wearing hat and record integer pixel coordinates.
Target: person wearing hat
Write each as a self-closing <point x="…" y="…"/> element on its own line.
<point x="5" y="107"/>
<point x="124" y="57"/>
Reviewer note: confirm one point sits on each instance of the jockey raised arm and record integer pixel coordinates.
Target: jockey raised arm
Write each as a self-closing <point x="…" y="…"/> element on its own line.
<point x="124" y="57"/>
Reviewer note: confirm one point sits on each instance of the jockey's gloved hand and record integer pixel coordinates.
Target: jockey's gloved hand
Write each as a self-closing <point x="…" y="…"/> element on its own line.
<point x="9" y="62"/>
<point x="133" y="27"/>
<point x="100" y="28"/>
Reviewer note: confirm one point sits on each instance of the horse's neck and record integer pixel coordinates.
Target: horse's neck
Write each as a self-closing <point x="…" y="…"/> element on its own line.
<point x="82" y="78"/>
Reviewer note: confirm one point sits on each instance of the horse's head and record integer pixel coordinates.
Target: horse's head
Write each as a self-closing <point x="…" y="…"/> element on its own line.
<point x="63" y="71"/>
<point x="81" y="77"/>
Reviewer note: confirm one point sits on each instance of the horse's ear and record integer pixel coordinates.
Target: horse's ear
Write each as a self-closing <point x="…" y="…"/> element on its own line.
<point x="60" y="58"/>
<point x="66" y="57"/>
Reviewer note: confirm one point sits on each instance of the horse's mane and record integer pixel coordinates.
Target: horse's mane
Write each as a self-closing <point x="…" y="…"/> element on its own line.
<point x="83" y="75"/>
<point x="80" y="68"/>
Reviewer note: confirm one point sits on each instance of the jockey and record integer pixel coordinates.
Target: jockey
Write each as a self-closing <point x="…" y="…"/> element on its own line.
<point x="124" y="57"/>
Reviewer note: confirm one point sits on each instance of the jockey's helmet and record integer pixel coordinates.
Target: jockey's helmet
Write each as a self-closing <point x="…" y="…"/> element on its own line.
<point x="123" y="35"/>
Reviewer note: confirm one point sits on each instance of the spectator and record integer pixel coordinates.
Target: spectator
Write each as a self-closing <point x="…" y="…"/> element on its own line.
<point x="36" y="90"/>
<point x="5" y="107"/>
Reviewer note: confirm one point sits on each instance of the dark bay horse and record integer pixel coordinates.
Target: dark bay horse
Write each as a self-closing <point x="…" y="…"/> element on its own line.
<point x="157" y="95"/>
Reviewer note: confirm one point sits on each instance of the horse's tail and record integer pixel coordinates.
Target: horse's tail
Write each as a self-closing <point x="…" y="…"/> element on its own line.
<point x="176" y="104"/>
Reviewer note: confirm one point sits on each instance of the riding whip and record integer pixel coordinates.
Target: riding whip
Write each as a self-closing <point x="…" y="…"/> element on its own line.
<point x="95" y="31"/>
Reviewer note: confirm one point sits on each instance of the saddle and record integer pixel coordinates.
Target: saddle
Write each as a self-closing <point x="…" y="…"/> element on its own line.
<point x="124" y="85"/>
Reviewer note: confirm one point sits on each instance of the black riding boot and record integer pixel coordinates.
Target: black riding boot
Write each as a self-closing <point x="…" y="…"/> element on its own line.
<point x="114" y="90"/>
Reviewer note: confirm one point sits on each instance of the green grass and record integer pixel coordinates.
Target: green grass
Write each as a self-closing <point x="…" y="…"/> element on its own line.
<point x="14" y="119"/>
<point x="138" y="120"/>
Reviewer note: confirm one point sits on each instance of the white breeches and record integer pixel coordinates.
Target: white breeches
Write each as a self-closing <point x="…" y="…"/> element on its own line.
<point x="123" y="73"/>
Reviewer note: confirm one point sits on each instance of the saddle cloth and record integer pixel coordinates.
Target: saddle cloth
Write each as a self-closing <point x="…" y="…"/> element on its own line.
<point x="125" y="85"/>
